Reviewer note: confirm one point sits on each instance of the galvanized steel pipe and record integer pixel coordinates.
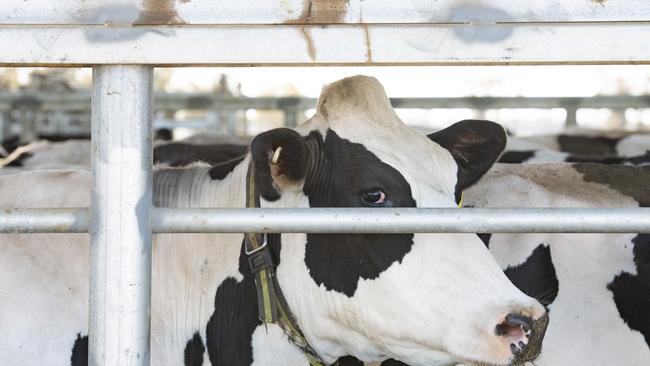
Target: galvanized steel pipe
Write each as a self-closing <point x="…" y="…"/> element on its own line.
<point x="44" y="220"/>
<point x="121" y="199"/>
<point x="353" y="220"/>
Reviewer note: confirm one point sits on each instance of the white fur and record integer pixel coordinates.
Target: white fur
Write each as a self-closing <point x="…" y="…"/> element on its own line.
<point x="633" y="145"/>
<point x="585" y="327"/>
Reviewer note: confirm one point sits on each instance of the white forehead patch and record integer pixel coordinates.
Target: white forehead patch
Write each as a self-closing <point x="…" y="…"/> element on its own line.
<point x="357" y="109"/>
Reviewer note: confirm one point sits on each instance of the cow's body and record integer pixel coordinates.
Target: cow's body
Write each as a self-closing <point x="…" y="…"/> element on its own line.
<point x="597" y="286"/>
<point x="449" y="301"/>
<point x="76" y="154"/>
<point x="543" y="156"/>
<point x="586" y="143"/>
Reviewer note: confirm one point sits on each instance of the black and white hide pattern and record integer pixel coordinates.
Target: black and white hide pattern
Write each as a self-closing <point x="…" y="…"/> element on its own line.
<point x="595" y="286"/>
<point x="616" y="148"/>
<point x="542" y="156"/>
<point x="182" y="154"/>
<point x="418" y="298"/>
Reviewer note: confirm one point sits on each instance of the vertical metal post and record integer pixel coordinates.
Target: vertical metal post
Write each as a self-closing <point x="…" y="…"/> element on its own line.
<point x="290" y="117"/>
<point x="120" y="232"/>
<point x="571" y="116"/>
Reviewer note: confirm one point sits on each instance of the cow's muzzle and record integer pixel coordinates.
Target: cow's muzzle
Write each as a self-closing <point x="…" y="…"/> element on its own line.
<point x="524" y="335"/>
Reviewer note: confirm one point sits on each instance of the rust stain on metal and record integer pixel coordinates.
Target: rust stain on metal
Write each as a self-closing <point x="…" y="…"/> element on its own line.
<point x="321" y="12"/>
<point x="311" y="49"/>
<point x="318" y="12"/>
<point x="366" y="33"/>
<point x="159" y="12"/>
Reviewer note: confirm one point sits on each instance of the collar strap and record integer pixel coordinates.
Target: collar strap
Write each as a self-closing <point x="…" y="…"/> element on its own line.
<point x="272" y="307"/>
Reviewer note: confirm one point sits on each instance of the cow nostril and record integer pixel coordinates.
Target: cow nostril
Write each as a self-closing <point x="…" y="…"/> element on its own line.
<point x="516" y="329"/>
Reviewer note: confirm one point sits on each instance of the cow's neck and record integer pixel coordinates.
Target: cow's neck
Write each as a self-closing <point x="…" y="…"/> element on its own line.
<point x="196" y="187"/>
<point x="228" y="339"/>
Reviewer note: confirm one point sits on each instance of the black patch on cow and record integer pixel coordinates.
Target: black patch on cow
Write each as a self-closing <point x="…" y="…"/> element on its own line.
<point x="536" y="277"/>
<point x="340" y="172"/>
<point x="391" y="362"/>
<point x="182" y="154"/>
<point x="475" y="145"/>
<point x="194" y="350"/>
<point x="587" y="145"/>
<point x="630" y="160"/>
<point x="485" y="238"/>
<point x="595" y="159"/>
<point x="348" y="361"/>
<point x="516" y="156"/>
<point x="632" y="292"/>
<point x="220" y="171"/>
<point x="629" y="180"/>
<point x="80" y="351"/>
<point x="230" y="329"/>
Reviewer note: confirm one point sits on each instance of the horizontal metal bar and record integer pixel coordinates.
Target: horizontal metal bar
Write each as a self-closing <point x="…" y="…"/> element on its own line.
<point x="314" y="44"/>
<point x="44" y="220"/>
<point x="80" y="101"/>
<point x="352" y="220"/>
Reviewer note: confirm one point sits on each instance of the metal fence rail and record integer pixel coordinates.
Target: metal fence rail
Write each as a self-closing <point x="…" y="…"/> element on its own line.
<point x="30" y="104"/>
<point x="358" y="220"/>
<point x="159" y="33"/>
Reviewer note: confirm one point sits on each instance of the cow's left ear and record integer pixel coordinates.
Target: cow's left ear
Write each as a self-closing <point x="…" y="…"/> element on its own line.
<point x="280" y="157"/>
<point x="475" y="146"/>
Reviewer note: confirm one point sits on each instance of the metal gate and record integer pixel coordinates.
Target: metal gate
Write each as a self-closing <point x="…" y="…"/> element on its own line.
<point x="124" y="40"/>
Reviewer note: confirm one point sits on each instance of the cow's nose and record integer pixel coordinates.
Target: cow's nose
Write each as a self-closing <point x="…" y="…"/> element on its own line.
<point x="523" y="334"/>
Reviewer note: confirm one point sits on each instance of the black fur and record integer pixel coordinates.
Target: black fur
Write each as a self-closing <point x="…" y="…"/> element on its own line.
<point x="632" y="292"/>
<point x="182" y="154"/>
<point x="79" y="355"/>
<point x="194" y="350"/>
<point x="516" y="156"/>
<point x="536" y="277"/>
<point x="632" y="160"/>
<point x="485" y="238"/>
<point x="346" y="169"/>
<point x="587" y="145"/>
<point x="475" y="145"/>
<point x="292" y="163"/>
<point x="230" y="329"/>
<point x="220" y="171"/>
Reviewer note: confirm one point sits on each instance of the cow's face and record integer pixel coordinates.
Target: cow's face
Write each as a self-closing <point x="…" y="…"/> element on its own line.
<point x="421" y="298"/>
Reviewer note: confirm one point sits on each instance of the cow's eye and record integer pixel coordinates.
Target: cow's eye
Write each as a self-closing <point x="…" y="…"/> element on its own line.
<point x="374" y="197"/>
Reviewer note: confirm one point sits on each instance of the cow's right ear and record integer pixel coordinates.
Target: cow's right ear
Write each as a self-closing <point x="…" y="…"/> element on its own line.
<point x="280" y="157"/>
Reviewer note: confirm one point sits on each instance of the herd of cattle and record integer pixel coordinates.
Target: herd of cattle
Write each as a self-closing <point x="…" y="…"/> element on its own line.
<point x="399" y="299"/>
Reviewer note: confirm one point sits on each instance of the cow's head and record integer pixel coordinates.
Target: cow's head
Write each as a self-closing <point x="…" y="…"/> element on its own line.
<point x="421" y="298"/>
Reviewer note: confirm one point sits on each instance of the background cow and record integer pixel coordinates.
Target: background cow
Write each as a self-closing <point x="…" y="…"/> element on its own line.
<point x="596" y="286"/>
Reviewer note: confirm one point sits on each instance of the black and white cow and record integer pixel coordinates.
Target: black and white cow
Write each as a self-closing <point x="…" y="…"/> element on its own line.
<point x="595" y="286"/>
<point x="424" y="299"/>
<point x="181" y="154"/>
<point x="586" y="143"/>
<point x="543" y="156"/>
<point x="44" y="154"/>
